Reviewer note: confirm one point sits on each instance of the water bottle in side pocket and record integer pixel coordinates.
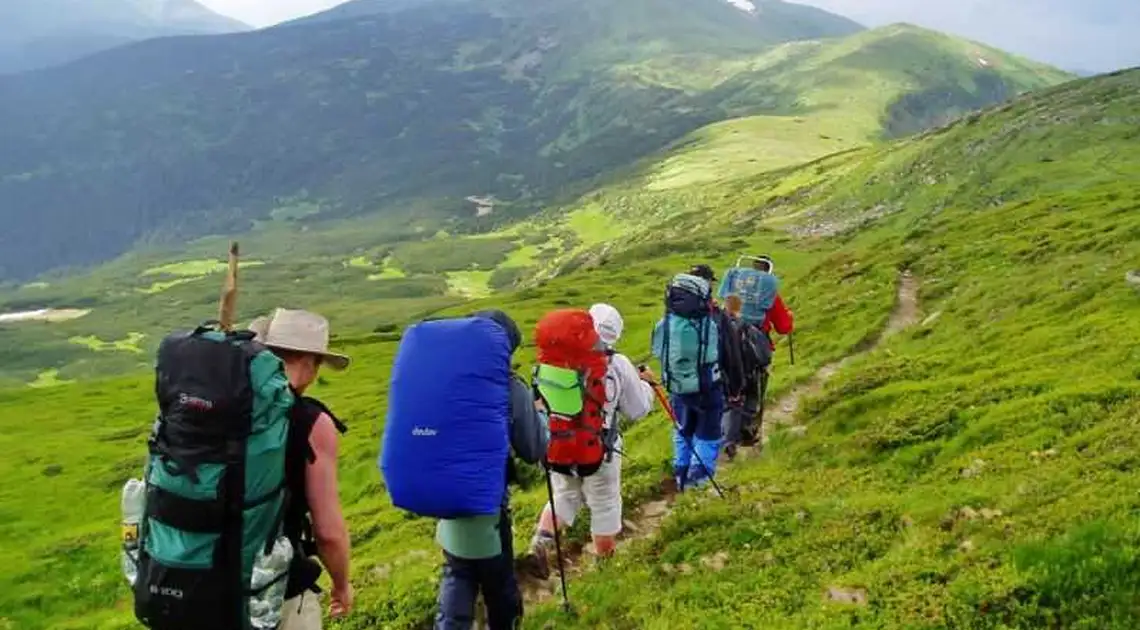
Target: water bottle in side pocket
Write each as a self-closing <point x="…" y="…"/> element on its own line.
<point x="270" y="576"/>
<point x="133" y="506"/>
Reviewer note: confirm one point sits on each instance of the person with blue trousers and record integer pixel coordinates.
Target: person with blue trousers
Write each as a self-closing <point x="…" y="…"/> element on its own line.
<point x="697" y="440"/>
<point x="478" y="551"/>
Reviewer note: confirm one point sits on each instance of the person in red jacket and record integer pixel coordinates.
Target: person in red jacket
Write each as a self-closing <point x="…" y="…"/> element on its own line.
<point x="778" y="318"/>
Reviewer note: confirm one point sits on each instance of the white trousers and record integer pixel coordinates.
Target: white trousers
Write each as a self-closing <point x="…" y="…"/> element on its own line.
<point x="601" y="492"/>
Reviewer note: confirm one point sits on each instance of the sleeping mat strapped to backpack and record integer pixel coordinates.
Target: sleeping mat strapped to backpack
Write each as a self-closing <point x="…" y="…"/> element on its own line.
<point x="446" y="441"/>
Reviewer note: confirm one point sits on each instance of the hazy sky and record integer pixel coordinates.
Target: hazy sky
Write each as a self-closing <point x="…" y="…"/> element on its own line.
<point x="1075" y="34"/>
<point x="267" y="12"/>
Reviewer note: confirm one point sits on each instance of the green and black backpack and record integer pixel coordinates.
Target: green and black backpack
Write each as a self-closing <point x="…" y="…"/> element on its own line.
<point x="215" y="480"/>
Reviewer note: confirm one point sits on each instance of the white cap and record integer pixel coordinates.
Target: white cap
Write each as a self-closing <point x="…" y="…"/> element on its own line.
<point x="608" y="323"/>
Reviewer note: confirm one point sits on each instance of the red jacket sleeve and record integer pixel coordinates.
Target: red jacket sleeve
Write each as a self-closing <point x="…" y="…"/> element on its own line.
<point x="779" y="317"/>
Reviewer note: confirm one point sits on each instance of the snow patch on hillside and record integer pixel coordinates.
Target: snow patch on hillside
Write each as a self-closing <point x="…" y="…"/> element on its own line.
<point x="743" y="5"/>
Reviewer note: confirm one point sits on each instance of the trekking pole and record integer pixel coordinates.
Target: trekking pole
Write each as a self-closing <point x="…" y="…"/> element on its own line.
<point x="792" y="348"/>
<point x="664" y="400"/>
<point x="228" y="304"/>
<point x="557" y="541"/>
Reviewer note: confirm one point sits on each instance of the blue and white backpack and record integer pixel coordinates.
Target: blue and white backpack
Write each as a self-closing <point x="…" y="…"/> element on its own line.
<point x="687" y="341"/>
<point x="756" y="289"/>
<point x="446" y="442"/>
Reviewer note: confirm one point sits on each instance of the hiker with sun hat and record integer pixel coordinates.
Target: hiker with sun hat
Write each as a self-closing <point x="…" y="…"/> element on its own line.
<point x="314" y="521"/>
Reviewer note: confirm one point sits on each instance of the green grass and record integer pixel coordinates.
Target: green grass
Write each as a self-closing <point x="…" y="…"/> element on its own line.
<point x="469" y="284"/>
<point x="1020" y="397"/>
<point x="95" y="344"/>
<point x="748" y="146"/>
<point x="159" y="287"/>
<point x="592" y="225"/>
<point x="361" y="262"/>
<point x="48" y="378"/>
<point x="524" y="256"/>
<point x="195" y="268"/>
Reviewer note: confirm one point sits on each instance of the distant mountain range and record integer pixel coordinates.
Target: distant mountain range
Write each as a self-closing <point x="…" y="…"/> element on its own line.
<point x="39" y="33"/>
<point x="409" y="107"/>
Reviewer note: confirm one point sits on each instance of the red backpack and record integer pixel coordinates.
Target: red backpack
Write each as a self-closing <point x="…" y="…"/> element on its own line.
<point x="570" y="379"/>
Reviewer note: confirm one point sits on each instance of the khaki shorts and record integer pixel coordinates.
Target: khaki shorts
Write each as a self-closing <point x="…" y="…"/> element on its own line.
<point x="601" y="492"/>
<point x="303" y="612"/>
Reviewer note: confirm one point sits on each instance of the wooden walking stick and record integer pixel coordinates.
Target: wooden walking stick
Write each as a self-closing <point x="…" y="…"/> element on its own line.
<point x="228" y="304"/>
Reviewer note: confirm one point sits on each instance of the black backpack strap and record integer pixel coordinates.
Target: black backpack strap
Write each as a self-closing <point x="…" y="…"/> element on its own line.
<point x="322" y="408"/>
<point x="534" y="382"/>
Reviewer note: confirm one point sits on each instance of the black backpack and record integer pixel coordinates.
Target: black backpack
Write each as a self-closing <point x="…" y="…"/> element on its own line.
<point x="755" y="348"/>
<point x="215" y="481"/>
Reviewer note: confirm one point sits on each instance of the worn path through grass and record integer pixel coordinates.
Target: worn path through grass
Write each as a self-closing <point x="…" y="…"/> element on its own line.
<point x="904" y="315"/>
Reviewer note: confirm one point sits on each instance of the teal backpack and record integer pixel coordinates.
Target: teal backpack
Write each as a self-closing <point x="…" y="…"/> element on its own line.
<point x="215" y="485"/>
<point x="687" y="340"/>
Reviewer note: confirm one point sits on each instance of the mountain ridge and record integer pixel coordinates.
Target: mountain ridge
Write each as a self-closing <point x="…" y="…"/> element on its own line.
<point x="346" y="117"/>
<point x="43" y="33"/>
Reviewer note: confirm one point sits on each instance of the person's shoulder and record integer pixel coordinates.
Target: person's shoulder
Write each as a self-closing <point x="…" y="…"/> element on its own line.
<point x="324" y="432"/>
<point x="619" y="361"/>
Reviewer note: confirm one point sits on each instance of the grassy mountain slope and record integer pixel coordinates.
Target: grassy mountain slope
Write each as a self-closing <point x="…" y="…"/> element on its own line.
<point x="1014" y="398"/>
<point x="38" y="33"/>
<point x="976" y="472"/>
<point x="890" y="81"/>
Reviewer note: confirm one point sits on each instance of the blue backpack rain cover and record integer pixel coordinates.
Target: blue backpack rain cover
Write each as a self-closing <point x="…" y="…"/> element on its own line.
<point x="446" y="441"/>
<point x="756" y="289"/>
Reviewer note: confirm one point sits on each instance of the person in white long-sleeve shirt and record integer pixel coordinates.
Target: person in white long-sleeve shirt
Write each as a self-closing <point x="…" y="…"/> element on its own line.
<point x="627" y="393"/>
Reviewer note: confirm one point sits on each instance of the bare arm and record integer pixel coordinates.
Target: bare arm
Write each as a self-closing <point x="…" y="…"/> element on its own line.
<point x="329" y="528"/>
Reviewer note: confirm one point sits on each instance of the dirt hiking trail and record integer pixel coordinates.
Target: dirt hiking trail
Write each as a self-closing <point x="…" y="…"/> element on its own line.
<point x="647" y="518"/>
<point x="904" y="315"/>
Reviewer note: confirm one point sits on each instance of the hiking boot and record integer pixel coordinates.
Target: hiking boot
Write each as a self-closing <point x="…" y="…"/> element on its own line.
<point x="537" y="561"/>
<point x="730" y="452"/>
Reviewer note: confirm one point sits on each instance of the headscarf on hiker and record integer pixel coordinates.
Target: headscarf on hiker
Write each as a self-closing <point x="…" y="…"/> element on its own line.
<point x="626" y="394"/>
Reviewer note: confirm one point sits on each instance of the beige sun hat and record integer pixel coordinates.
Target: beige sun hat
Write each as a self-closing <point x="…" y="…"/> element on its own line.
<point x="299" y="331"/>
